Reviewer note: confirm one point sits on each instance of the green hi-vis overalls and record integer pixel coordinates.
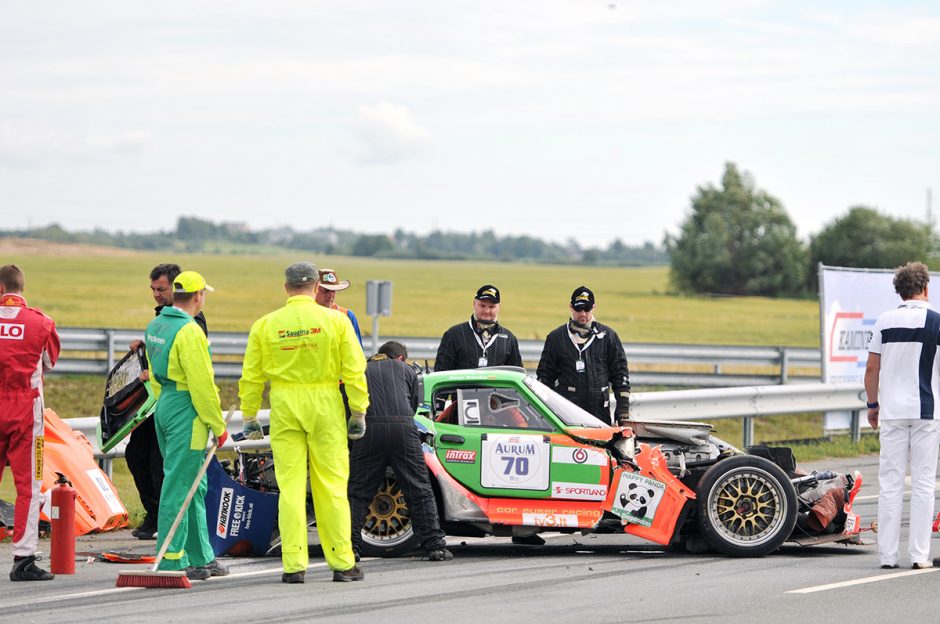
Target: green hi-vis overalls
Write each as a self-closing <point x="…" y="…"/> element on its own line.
<point x="187" y="408"/>
<point x="304" y="349"/>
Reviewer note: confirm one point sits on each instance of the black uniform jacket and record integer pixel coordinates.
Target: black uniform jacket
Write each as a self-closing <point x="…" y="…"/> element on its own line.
<point x="605" y="366"/>
<point x="393" y="388"/>
<point x="460" y="348"/>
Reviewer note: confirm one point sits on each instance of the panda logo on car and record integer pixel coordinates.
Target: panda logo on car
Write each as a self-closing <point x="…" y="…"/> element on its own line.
<point x="636" y="500"/>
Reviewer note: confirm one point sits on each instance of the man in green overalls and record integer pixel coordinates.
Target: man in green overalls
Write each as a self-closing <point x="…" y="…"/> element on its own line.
<point x="188" y="407"/>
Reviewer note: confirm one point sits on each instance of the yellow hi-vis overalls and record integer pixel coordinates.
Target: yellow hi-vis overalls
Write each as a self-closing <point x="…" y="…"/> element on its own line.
<point x="304" y="349"/>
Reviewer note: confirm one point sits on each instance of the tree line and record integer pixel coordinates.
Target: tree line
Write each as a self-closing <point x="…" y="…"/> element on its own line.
<point x="193" y="234"/>
<point x="738" y="240"/>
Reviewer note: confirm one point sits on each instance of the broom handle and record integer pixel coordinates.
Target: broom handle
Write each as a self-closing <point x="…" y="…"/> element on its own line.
<point x="189" y="496"/>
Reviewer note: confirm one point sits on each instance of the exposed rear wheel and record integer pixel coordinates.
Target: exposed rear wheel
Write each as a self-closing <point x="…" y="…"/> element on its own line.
<point x="387" y="531"/>
<point x="746" y="506"/>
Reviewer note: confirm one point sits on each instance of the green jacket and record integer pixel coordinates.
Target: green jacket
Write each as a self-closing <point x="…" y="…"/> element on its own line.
<point x="181" y="374"/>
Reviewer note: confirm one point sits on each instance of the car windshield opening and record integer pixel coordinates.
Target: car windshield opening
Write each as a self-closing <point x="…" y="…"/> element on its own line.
<point x="568" y="412"/>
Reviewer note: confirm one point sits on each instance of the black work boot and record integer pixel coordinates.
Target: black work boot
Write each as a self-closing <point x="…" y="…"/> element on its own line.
<point x="440" y="554"/>
<point x="352" y="574"/>
<point x="216" y="568"/>
<point x="25" y="569"/>
<point x="197" y="574"/>
<point x="293" y="577"/>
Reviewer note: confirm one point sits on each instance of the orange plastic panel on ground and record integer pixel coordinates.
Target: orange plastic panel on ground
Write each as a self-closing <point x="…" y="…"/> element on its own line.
<point x="97" y="506"/>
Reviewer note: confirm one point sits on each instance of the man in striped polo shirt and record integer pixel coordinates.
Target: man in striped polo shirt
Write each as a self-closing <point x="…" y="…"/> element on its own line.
<point x="902" y="381"/>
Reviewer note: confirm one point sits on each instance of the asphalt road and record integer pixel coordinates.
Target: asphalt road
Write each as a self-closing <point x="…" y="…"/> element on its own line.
<point x="570" y="579"/>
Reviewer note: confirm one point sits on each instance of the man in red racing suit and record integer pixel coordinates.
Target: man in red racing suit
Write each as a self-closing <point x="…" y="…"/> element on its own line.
<point x="29" y="346"/>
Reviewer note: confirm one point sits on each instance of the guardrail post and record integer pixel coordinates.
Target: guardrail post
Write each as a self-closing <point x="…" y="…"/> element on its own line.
<point x="105" y="464"/>
<point x="747" y="431"/>
<point x="109" y="334"/>
<point x="784" y="365"/>
<point x="856" y="426"/>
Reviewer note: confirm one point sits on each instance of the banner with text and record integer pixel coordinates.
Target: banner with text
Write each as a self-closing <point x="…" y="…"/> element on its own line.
<point x="850" y="302"/>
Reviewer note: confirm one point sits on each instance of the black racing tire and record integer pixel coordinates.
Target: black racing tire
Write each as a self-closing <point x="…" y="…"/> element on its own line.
<point x="387" y="531"/>
<point x="746" y="506"/>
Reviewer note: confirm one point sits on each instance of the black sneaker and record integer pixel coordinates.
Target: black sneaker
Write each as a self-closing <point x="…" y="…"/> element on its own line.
<point x="197" y="574"/>
<point x="144" y="534"/>
<point x="216" y="568"/>
<point x="293" y="577"/>
<point x="528" y="540"/>
<point x="352" y="574"/>
<point x="440" y="554"/>
<point x="26" y="570"/>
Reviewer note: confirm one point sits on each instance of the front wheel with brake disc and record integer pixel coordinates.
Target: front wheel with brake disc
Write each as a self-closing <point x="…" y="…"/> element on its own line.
<point x="387" y="531"/>
<point x="746" y="506"/>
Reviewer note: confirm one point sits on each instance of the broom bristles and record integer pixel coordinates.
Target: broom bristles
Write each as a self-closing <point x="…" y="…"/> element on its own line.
<point x="155" y="580"/>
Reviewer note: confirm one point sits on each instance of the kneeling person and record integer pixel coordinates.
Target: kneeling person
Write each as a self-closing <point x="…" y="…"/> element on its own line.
<point x="392" y="440"/>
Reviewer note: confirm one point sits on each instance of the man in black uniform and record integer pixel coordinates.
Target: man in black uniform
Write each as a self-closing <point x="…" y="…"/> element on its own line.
<point x="480" y="342"/>
<point x="142" y="454"/>
<point x="391" y="439"/>
<point x="584" y="361"/>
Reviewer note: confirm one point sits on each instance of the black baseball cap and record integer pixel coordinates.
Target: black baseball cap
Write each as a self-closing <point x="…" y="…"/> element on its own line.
<point x="582" y="299"/>
<point x="488" y="292"/>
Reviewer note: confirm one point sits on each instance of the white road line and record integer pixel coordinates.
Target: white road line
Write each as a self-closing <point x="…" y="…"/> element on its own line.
<point x="861" y="581"/>
<point x="118" y="590"/>
<point x="907" y="493"/>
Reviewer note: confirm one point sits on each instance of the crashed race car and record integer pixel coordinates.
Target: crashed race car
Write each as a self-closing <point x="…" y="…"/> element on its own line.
<point x="508" y="456"/>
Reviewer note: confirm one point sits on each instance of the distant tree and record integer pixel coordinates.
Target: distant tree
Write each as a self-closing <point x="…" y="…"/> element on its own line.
<point x="372" y="245"/>
<point x="195" y="229"/>
<point x="738" y="240"/>
<point x="866" y="238"/>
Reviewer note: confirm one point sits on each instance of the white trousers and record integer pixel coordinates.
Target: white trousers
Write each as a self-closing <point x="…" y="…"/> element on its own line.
<point x="904" y="439"/>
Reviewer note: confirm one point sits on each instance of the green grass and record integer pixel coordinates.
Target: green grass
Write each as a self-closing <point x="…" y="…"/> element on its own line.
<point x="82" y="288"/>
<point x="429" y="296"/>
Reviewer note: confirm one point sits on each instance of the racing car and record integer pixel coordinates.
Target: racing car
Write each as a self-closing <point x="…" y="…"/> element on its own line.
<point x="509" y="456"/>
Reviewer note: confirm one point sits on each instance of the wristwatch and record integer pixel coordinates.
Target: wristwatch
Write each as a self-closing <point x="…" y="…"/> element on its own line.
<point x="872" y="405"/>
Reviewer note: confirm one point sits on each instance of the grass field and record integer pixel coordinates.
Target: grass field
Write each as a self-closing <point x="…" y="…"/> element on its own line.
<point x="95" y="287"/>
<point x="102" y="290"/>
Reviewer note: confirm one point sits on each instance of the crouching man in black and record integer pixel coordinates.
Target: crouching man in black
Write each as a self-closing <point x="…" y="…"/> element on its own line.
<point x="391" y="439"/>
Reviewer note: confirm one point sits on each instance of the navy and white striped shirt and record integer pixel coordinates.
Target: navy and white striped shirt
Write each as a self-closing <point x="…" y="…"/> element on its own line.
<point x="909" y="383"/>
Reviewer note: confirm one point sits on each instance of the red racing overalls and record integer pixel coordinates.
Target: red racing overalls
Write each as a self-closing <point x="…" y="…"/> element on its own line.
<point x="29" y="346"/>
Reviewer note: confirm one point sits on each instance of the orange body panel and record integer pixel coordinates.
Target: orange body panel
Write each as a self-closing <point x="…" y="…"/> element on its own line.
<point x="653" y="465"/>
<point x="97" y="505"/>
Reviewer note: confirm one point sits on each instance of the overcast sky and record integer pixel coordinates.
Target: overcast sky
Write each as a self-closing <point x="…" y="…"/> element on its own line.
<point x="587" y="119"/>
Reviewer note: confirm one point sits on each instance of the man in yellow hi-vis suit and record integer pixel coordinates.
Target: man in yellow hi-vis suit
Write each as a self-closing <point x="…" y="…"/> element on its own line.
<point x="304" y="349"/>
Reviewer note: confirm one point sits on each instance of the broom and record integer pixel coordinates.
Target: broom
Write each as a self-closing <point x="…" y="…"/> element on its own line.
<point x="170" y="579"/>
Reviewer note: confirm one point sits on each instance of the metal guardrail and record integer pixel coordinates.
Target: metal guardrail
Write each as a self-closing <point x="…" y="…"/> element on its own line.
<point x="689" y="405"/>
<point x="94" y="351"/>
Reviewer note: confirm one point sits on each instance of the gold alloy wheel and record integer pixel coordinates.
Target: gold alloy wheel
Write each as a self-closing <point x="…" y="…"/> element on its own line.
<point x="746" y="506"/>
<point x="387" y="520"/>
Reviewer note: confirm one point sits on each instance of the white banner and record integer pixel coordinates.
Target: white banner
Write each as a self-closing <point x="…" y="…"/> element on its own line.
<point x="850" y="301"/>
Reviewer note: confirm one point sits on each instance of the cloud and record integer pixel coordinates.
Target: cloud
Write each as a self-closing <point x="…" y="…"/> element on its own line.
<point x="22" y="147"/>
<point x="388" y="134"/>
